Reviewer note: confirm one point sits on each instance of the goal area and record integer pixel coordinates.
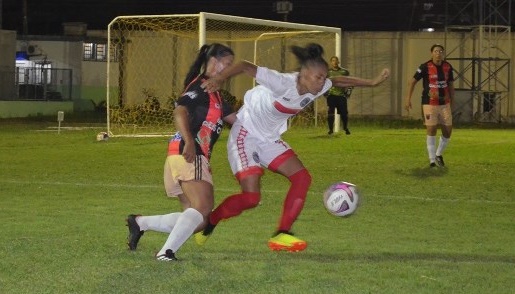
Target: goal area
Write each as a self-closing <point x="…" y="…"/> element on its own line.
<point x="150" y="55"/>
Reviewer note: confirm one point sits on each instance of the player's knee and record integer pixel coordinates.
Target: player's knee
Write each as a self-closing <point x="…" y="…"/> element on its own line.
<point x="301" y="178"/>
<point x="251" y="199"/>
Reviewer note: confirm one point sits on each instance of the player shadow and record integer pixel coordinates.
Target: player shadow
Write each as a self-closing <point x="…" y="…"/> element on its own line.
<point x="424" y="172"/>
<point x="327" y="136"/>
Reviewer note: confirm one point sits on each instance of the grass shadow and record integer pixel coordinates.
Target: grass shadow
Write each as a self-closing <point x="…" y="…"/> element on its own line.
<point x="424" y="172"/>
<point x="326" y="136"/>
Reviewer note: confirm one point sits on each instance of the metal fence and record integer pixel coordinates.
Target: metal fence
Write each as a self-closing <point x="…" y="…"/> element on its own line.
<point x="40" y="84"/>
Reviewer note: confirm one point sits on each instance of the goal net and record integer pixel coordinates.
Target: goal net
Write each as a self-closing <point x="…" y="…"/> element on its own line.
<point x="149" y="57"/>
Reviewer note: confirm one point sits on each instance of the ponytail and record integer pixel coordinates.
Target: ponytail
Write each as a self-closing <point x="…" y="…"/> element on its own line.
<point x="309" y="55"/>
<point x="199" y="65"/>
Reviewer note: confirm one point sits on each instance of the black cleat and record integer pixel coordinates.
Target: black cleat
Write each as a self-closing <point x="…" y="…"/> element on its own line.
<point x="330" y="132"/>
<point x="347" y="132"/>
<point x="135" y="232"/>
<point x="439" y="161"/>
<point x="168" y="256"/>
<point x="432" y="165"/>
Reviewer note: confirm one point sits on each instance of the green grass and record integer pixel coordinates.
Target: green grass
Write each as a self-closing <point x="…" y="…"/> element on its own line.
<point x="64" y="198"/>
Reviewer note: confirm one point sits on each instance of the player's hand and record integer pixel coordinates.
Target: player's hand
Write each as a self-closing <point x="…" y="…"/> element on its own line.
<point x="188" y="152"/>
<point x="211" y="85"/>
<point x="408" y="106"/>
<point x="383" y="76"/>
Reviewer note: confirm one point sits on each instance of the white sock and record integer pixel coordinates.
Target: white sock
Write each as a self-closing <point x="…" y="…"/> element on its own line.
<point x="185" y="226"/>
<point x="158" y="223"/>
<point x="431" y="147"/>
<point x="442" y="145"/>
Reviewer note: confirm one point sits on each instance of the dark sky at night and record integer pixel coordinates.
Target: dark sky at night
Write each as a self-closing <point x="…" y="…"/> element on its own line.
<point x="45" y="17"/>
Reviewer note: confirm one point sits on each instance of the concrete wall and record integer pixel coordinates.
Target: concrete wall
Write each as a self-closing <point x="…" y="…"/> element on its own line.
<point x="363" y="53"/>
<point x="7" y="63"/>
<point x="11" y="109"/>
<point x="63" y="54"/>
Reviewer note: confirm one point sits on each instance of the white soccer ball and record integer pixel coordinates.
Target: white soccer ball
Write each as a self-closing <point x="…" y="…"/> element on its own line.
<point x="102" y="136"/>
<point x="341" y="199"/>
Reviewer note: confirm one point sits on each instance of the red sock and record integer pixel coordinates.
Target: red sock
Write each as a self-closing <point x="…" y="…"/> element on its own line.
<point x="234" y="205"/>
<point x="295" y="198"/>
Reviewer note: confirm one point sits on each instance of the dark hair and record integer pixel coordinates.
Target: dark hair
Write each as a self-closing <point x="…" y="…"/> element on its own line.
<point x="309" y="55"/>
<point x="436" y="45"/>
<point x="215" y="50"/>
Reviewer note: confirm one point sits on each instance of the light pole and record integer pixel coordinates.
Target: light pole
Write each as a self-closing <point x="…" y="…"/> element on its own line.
<point x="283" y="7"/>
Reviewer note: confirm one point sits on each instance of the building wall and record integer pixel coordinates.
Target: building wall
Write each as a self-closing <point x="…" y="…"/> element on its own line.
<point x="363" y="53"/>
<point x="7" y="63"/>
<point x="63" y="54"/>
<point x="12" y="109"/>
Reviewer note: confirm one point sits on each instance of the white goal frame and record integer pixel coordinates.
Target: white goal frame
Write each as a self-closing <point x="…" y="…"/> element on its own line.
<point x="126" y="82"/>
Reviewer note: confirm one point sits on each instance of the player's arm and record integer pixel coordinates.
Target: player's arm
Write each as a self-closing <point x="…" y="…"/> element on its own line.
<point x="411" y="86"/>
<point x="451" y="92"/>
<point x="230" y="119"/>
<point x="214" y="83"/>
<point x="181" y="118"/>
<point x="350" y="81"/>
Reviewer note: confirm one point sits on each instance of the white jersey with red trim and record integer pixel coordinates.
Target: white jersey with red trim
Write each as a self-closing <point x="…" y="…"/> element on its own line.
<point x="267" y="107"/>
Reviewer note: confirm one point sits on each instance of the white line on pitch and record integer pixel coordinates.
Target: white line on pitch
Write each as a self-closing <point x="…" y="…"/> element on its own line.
<point x="159" y="187"/>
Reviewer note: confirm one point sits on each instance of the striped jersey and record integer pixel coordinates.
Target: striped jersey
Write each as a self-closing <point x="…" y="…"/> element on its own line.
<point x="436" y="79"/>
<point x="206" y="111"/>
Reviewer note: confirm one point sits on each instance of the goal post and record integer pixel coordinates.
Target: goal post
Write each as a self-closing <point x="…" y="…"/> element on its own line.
<point x="150" y="55"/>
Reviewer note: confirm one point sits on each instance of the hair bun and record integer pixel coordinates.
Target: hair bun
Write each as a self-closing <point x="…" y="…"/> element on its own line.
<point x="315" y="50"/>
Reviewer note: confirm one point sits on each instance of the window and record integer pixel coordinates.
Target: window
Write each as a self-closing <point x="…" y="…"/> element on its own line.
<point x="94" y="52"/>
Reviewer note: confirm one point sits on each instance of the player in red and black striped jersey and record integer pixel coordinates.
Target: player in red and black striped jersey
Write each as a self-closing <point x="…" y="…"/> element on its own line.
<point x="199" y="118"/>
<point x="437" y="96"/>
<point x="205" y="114"/>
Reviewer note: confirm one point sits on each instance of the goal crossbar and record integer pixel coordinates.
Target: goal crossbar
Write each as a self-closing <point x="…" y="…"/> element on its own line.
<point x="149" y="55"/>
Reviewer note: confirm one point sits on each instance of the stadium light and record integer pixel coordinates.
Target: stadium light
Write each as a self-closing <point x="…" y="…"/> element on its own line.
<point x="283" y="7"/>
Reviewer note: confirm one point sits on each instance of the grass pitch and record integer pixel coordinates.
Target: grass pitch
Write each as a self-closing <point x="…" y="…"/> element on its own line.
<point x="64" y="198"/>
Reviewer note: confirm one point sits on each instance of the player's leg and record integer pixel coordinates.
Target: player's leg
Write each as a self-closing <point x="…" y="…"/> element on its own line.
<point x="235" y="204"/>
<point x="138" y="224"/>
<point x="240" y="149"/>
<point x="165" y="223"/>
<point x="446" y="129"/>
<point x="331" y="106"/>
<point x="199" y="191"/>
<point x="289" y="165"/>
<point x="344" y="114"/>
<point x="431" y="121"/>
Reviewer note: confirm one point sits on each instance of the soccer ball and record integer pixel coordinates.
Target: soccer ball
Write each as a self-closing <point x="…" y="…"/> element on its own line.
<point x="102" y="136"/>
<point x="341" y="199"/>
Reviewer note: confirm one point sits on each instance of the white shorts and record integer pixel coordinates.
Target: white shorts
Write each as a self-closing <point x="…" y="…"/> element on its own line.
<point x="248" y="154"/>
<point x="437" y="115"/>
<point x="177" y="170"/>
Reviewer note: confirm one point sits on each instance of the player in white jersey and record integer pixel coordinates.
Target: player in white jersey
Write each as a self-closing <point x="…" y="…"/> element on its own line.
<point x="255" y="139"/>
